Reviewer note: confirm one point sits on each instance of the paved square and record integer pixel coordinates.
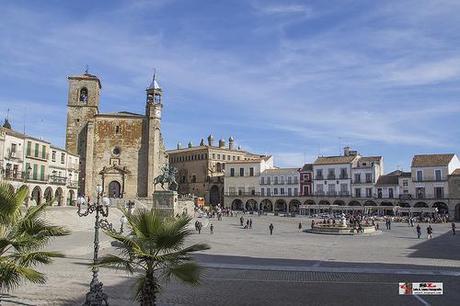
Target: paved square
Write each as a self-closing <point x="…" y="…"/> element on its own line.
<point x="279" y="269"/>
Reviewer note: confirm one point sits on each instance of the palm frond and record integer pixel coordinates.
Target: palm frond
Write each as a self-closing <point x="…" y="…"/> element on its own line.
<point x="11" y="275"/>
<point x="116" y="262"/>
<point x="188" y="272"/>
<point x="11" y="203"/>
<point x="34" y="258"/>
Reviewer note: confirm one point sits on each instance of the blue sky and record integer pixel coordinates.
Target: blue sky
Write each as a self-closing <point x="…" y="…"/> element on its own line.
<point x="288" y="78"/>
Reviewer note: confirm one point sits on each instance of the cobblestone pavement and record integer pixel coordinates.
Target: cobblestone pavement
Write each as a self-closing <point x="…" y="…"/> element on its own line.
<point x="250" y="267"/>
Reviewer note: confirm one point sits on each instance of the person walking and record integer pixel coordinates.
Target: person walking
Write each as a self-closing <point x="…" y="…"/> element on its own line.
<point x="300" y="226"/>
<point x="199" y="227"/>
<point x="250" y="223"/>
<point x="211" y="228"/>
<point x="389" y="223"/>
<point x="247" y="224"/>
<point x="241" y="220"/>
<point x="270" y="227"/>
<point x="429" y="232"/>
<point x="453" y="228"/>
<point x="419" y="231"/>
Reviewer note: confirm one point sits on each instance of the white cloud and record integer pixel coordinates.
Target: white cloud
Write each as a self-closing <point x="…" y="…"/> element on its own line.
<point x="281" y="9"/>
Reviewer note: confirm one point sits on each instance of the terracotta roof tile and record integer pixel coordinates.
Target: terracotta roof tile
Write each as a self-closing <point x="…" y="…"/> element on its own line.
<point x="431" y="160"/>
<point x="331" y="160"/>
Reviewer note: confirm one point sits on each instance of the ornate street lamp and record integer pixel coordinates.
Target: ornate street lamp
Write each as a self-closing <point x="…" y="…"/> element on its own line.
<point x="96" y="296"/>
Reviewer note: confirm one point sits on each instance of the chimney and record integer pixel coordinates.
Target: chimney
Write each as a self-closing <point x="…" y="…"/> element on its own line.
<point x="210" y="140"/>
<point x="222" y="143"/>
<point x="179" y="146"/>
<point x="231" y="143"/>
<point x="346" y="151"/>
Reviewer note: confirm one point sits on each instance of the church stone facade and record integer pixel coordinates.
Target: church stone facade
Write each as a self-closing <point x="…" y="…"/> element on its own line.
<point x="122" y="151"/>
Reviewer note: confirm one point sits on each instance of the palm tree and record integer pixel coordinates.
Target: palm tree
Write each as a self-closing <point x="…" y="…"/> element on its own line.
<point x="154" y="250"/>
<point x="23" y="235"/>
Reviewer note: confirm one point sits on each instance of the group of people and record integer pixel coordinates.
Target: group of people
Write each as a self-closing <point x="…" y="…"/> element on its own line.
<point x="246" y="225"/>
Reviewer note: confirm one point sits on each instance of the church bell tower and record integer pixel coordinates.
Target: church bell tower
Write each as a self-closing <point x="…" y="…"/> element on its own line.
<point x="154" y="106"/>
<point x="82" y="106"/>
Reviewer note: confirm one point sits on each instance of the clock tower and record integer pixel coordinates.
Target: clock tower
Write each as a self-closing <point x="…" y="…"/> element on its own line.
<point x="154" y="106"/>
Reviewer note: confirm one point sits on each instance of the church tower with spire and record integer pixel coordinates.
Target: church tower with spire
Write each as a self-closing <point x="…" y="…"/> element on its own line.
<point x="154" y="106"/>
<point x="121" y="151"/>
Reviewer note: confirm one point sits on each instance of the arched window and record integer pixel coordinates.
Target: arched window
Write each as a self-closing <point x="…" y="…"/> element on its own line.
<point x="83" y="95"/>
<point x="193" y="178"/>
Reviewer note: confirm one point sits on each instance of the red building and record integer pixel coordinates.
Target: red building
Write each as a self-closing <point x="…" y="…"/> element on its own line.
<point x="306" y="178"/>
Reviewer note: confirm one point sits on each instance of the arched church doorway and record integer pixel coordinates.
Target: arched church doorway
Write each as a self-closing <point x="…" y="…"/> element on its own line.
<point x="114" y="189"/>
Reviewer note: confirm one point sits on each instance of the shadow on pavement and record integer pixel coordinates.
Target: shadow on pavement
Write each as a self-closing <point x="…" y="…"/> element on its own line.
<point x="445" y="246"/>
<point x="279" y="262"/>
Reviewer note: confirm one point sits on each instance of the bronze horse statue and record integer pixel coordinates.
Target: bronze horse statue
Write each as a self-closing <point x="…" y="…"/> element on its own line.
<point x="167" y="176"/>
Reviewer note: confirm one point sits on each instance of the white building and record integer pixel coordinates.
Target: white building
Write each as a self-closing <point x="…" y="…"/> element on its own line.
<point x="430" y="175"/>
<point x="332" y="174"/>
<point x="365" y="175"/>
<point x="243" y="178"/>
<point x="280" y="182"/>
<point x="27" y="161"/>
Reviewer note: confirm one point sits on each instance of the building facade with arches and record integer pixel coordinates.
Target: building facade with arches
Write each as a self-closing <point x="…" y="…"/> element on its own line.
<point x="123" y="151"/>
<point x="432" y="186"/>
<point x="48" y="171"/>
<point x="202" y="168"/>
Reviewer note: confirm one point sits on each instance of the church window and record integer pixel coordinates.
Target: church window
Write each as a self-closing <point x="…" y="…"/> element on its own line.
<point x="83" y="95"/>
<point x="117" y="129"/>
<point x="193" y="178"/>
<point x="116" y="151"/>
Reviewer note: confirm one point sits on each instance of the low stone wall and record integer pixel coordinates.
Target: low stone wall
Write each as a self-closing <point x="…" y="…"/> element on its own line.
<point x="339" y="230"/>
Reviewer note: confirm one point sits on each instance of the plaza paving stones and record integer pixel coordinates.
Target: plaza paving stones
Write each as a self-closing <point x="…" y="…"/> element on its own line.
<point x="250" y="267"/>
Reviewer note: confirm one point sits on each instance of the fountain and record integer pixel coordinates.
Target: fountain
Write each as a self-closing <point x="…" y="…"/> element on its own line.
<point x="339" y="228"/>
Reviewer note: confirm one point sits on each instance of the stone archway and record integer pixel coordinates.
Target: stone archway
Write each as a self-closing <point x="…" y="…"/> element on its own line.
<point x="421" y="204"/>
<point x="370" y="203"/>
<point x="309" y="202"/>
<point x="214" y="195"/>
<point x="354" y="203"/>
<point x="324" y="202"/>
<point x="48" y="195"/>
<point x="237" y="204"/>
<point x="442" y="207"/>
<point x="114" y="189"/>
<point x="294" y="206"/>
<point x="71" y="198"/>
<point x="59" y="196"/>
<point x="387" y="208"/>
<point x="266" y="205"/>
<point x="280" y="205"/>
<point x="457" y="212"/>
<point x="37" y="195"/>
<point x="251" y="205"/>
<point x="339" y="202"/>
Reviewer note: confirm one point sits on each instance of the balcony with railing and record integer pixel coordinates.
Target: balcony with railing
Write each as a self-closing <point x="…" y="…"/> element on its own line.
<point x="13" y="175"/>
<point x="331" y="176"/>
<point x="39" y="156"/>
<point x="343" y="176"/>
<point x="59" y="180"/>
<point x="73" y="184"/>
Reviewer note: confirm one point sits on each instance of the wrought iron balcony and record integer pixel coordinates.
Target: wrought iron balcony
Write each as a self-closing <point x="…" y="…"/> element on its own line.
<point x="60" y="180"/>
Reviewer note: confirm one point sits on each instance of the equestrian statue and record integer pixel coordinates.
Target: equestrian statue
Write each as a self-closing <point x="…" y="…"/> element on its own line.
<point x="167" y="176"/>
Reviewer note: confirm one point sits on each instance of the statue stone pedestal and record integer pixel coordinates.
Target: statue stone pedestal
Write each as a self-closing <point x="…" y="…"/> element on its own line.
<point x="164" y="202"/>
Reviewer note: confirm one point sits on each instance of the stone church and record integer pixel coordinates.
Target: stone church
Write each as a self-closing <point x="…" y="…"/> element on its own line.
<point x="122" y="151"/>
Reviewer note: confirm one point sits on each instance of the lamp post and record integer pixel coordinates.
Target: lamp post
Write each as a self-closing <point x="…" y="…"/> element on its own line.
<point x="96" y="296"/>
